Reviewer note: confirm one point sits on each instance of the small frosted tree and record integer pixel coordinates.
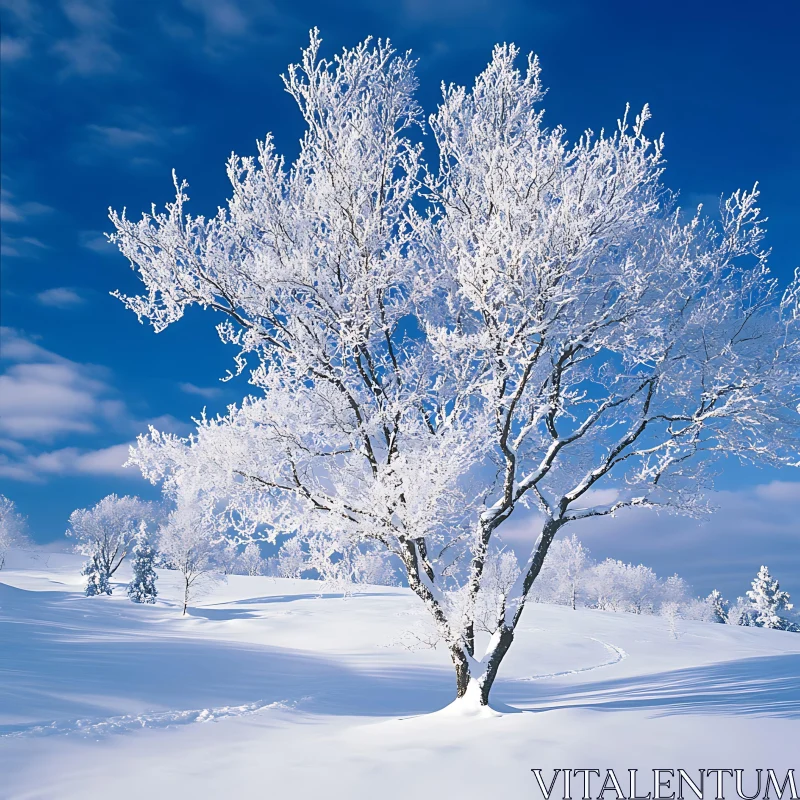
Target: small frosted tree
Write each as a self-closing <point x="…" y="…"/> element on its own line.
<point x="434" y="347"/>
<point x="12" y="528"/>
<point x="142" y="588"/>
<point x="105" y="533"/>
<point x="186" y="543"/>
<point x="767" y="601"/>
<point x="567" y="568"/>
<point x="97" y="578"/>
<point x="291" y="560"/>
<point x="228" y="558"/>
<point x="741" y="613"/>
<point x="251" y="562"/>
<point x="718" y="606"/>
<point x="674" y="590"/>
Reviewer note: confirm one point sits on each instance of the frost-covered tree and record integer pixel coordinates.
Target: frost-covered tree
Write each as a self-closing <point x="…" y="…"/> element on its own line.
<point x="338" y="563"/>
<point x="142" y="588"/>
<point x="741" y="613"/>
<point x="228" y="558"/>
<point x="12" y="528"/>
<point x="718" y="606"/>
<point x="186" y="543"/>
<point x="291" y="559"/>
<point x="767" y="601"/>
<point x="567" y="568"/>
<point x="251" y="562"/>
<point x="106" y="532"/>
<point x="617" y="586"/>
<point x="674" y="590"/>
<point x="437" y="348"/>
<point x="97" y="578"/>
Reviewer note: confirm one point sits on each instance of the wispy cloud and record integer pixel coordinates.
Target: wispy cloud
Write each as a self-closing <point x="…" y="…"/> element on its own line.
<point x="223" y="27"/>
<point x="132" y="136"/>
<point x="21" y="246"/>
<point x="122" y="138"/>
<point x="88" y="50"/>
<point x="44" y="396"/>
<point x="202" y="391"/>
<point x="13" y="49"/>
<point x="60" y="297"/>
<point x="97" y="242"/>
<point x="13" y="211"/>
<point x="222" y="17"/>
<point x="70" y="461"/>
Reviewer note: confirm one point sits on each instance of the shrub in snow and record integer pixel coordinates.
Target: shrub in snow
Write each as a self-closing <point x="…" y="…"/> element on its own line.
<point x="424" y="336"/>
<point x="142" y="589"/>
<point x="718" y="606"/>
<point x="97" y="577"/>
<point x="12" y="528"/>
<point x="767" y="601"/>
<point x="106" y="532"/>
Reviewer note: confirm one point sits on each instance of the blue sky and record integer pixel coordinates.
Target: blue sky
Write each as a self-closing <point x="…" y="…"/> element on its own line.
<point x="101" y="99"/>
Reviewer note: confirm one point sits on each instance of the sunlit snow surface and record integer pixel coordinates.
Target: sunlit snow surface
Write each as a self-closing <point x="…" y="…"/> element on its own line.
<point x="271" y="689"/>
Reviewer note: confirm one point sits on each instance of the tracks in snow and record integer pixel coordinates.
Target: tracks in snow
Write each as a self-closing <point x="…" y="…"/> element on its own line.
<point x="99" y="727"/>
<point x="618" y="655"/>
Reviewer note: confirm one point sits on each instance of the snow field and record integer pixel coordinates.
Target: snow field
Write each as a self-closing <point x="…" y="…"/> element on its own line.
<point x="270" y="689"/>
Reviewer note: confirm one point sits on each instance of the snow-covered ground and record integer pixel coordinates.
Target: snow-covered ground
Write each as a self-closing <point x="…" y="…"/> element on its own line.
<point x="268" y="689"/>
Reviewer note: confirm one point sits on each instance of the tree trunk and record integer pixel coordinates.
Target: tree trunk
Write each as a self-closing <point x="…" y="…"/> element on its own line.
<point x="481" y="684"/>
<point x="185" y="595"/>
<point x="478" y="685"/>
<point x="462" y="671"/>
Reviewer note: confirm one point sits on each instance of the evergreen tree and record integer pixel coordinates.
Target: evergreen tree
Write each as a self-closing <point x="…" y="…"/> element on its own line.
<point x="142" y="589"/>
<point x="719" y="607"/>
<point x="767" y="601"/>
<point x="97" y="578"/>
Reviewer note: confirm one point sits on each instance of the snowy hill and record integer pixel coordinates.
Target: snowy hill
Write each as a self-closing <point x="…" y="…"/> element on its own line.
<point x="267" y="689"/>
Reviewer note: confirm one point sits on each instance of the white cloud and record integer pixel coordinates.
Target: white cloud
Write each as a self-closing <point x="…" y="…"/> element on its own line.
<point x="44" y="395"/>
<point x="12" y="211"/>
<point x="70" y="461"/>
<point x="16" y="347"/>
<point x="221" y="16"/>
<point x="89" y="50"/>
<point x="21" y="246"/>
<point x="117" y="137"/>
<point x="203" y="391"/>
<point x="13" y="49"/>
<point x="60" y="297"/>
<point x="132" y="134"/>
<point x="96" y="242"/>
<point x="42" y="401"/>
